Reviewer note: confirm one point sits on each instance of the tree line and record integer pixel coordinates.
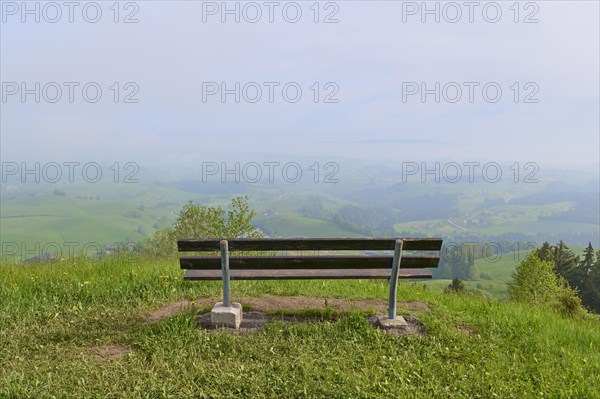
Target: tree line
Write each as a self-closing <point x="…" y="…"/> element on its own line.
<point x="582" y="274"/>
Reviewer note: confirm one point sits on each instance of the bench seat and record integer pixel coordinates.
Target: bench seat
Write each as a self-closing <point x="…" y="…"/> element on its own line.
<point x="305" y="274"/>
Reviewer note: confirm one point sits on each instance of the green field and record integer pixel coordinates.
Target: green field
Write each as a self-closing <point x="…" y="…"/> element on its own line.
<point x="106" y="212"/>
<point x="497" y="269"/>
<point x="72" y="330"/>
<point x="500" y="267"/>
<point x="295" y="225"/>
<point x="500" y="220"/>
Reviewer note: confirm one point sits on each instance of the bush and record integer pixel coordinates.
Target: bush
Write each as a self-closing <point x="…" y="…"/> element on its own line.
<point x="534" y="281"/>
<point x="455" y="286"/>
<point x="569" y="303"/>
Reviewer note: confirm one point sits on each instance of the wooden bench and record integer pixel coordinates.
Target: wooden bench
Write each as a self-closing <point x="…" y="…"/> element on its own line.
<point x="421" y="254"/>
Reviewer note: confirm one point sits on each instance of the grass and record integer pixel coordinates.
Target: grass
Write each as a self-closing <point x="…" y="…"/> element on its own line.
<point x="490" y="289"/>
<point x="53" y="317"/>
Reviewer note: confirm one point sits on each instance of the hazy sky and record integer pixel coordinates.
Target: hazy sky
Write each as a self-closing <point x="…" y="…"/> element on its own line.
<point x="370" y="68"/>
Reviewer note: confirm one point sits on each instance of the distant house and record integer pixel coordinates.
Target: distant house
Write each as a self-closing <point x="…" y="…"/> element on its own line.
<point x="127" y="246"/>
<point x="270" y="213"/>
<point x="111" y="249"/>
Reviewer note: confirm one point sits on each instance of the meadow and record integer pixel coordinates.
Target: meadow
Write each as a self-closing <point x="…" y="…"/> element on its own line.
<point x="80" y="328"/>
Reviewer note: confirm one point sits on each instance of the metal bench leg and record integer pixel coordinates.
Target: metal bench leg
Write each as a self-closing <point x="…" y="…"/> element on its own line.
<point x="225" y="313"/>
<point x="394" y="279"/>
<point x="225" y="270"/>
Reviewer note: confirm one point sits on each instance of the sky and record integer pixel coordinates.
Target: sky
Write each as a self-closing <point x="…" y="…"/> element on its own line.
<point x="388" y="80"/>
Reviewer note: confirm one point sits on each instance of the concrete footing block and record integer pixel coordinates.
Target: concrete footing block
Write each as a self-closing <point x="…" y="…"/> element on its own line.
<point x="398" y="322"/>
<point x="226" y="316"/>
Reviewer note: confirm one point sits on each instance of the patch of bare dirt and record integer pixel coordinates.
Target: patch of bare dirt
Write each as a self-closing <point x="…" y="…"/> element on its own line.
<point x="256" y="317"/>
<point x="176" y="307"/>
<point x="275" y="303"/>
<point x="467" y="330"/>
<point x="109" y="352"/>
<point x="261" y="309"/>
<point x="252" y="321"/>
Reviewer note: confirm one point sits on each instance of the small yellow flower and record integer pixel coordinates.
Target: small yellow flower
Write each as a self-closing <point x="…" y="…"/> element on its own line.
<point x="584" y="360"/>
<point x="487" y="374"/>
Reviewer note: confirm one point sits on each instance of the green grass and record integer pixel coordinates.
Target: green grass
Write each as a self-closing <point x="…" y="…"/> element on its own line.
<point x="51" y="318"/>
<point x="491" y="289"/>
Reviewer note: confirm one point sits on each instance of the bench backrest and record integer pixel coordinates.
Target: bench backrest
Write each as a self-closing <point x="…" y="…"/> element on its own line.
<point x="421" y="253"/>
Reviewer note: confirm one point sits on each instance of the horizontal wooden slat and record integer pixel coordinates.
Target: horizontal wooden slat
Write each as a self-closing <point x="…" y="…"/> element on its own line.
<point x="305" y="274"/>
<point x="306" y="262"/>
<point x="285" y="244"/>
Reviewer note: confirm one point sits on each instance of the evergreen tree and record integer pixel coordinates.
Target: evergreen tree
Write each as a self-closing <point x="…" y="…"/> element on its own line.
<point x="595" y="284"/>
<point x="566" y="264"/>
<point x="546" y="252"/>
<point x="461" y="261"/>
<point x="458" y="261"/>
<point x="471" y="272"/>
<point x="588" y="261"/>
<point x="582" y="274"/>
<point x="590" y="279"/>
<point x="455" y="286"/>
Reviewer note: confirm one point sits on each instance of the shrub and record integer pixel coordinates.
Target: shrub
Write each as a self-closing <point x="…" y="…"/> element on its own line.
<point x="569" y="303"/>
<point x="534" y="281"/>
<point x="455" y="286"/>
